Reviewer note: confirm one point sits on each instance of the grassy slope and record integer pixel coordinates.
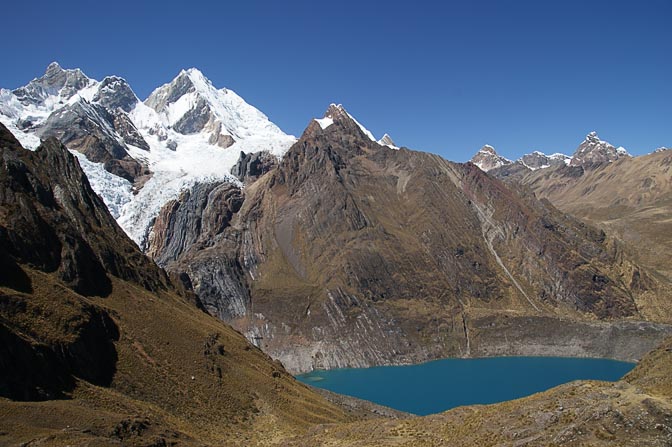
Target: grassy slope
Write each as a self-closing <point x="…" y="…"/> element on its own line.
<point x="164" y="342"/>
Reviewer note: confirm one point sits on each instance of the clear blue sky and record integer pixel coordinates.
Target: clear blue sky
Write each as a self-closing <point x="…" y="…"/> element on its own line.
<point x="445" y="77"/>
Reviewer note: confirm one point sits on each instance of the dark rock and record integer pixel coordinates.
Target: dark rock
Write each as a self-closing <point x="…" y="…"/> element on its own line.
<point x="201" y="218"/>
<point x="250" y="167"/>
<point x="115" y="93"/>
<point x="195" y="119"/>
<point x="52" y="220"/>
<point x="220" y="139"/>
<point x="124" y="127"/>
<point x="84" y="127"/>
<point x="39" y="369"/>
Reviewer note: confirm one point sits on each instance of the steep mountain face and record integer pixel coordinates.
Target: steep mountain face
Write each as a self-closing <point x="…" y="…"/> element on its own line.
<point x="86" y="115"/>
<point x="353" y="254"/>
<point x="141" y="155"/>
<point x="82" y="248"/>
<point x="93" y="329"/>
<point x="487" y="158"/>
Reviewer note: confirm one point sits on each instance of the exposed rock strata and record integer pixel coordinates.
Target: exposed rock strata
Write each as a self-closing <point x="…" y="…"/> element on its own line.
<point x="353" y="254"/>
<point x="250" y="167"/>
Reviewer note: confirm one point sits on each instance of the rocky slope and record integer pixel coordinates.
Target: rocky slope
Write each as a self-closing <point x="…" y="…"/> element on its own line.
<point x="136" y="364"/>
<point x="630" y="198"/>
<point x="349" y="253"/>
<point x="98" y="347"/>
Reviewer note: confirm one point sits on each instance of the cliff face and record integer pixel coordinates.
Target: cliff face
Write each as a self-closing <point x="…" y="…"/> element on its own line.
<point x="354" y="254"/>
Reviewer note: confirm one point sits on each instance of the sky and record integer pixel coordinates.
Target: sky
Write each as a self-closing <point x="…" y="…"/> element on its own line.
<point x="444" y="77"/>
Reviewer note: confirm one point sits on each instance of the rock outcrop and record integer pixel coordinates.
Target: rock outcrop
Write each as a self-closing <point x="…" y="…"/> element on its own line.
<point x="250" y="167"/>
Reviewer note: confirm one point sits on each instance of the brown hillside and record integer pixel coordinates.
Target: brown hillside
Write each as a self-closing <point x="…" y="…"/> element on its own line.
<point x="630" y="198"/>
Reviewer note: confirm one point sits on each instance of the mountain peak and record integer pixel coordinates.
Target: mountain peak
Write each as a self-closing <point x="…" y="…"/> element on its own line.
<point x="196" y="78"/>
<point x="592" y="137"/>
<point x="386" y="140"/>
<point x="539" y="160"/>
<point x="53" y="67"/>
<point x="487" y="158"/>
<point x="593" y="151"/>
<point x="336" y="113"/>
<point x="56" y="81"/>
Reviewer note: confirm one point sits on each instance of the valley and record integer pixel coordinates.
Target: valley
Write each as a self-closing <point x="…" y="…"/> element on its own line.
<point x="168" y="264"/>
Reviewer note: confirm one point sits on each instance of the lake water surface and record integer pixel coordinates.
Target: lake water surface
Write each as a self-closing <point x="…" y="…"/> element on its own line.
<point x="443" y="384"/>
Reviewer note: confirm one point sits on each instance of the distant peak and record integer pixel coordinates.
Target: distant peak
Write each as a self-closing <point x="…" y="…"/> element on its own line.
<point x="487" y="158"/>
<point x="336" y="113"/>
<point x="593" y="151"/>
<point x="592" y="137"/>
<point x="386" y="140"/>
<point x="54" y="66"/>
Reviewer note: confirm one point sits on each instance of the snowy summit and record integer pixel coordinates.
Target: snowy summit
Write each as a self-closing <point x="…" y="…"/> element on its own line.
<point x="185" y="131"/>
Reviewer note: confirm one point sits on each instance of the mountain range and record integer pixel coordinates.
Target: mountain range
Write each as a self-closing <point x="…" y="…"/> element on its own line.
<point x="331" y="250"/>
<point x="592" y="152"/>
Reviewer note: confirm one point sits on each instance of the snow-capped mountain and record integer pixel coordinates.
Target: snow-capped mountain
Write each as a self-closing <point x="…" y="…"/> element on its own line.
<point x="487" y="158"/>
<point x="337" y="113"/>
<point x="593" y="151"/>
<point x="139" y="155"/>
<point x="386" y="140"/>
<point x="539" y="160"/>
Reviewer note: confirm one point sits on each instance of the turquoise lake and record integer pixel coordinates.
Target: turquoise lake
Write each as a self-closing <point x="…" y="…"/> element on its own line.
<point x="443" y="384"/>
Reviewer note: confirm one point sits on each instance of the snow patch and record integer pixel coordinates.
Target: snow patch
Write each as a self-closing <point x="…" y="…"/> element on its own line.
<point x="324" y="122"/>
